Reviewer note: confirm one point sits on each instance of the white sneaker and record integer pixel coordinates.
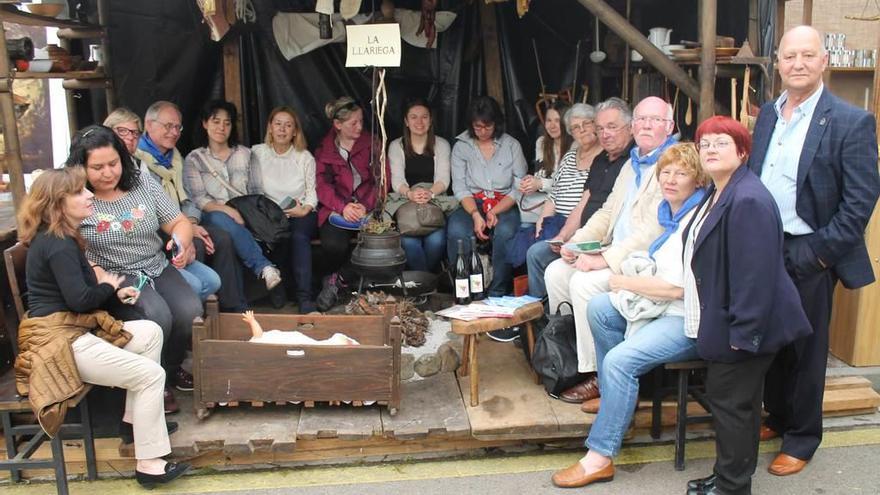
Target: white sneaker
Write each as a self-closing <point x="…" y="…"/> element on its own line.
<point x="271" y="276"/>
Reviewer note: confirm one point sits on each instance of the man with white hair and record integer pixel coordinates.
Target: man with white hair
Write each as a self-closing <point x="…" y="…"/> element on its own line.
<point x="626" y="222"/>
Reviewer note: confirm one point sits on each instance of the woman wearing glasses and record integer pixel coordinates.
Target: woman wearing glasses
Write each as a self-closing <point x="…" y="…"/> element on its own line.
<point x="127" y="126"/>
<point x="740" y="303"/>
<point x="347" y="189"/>
<point x="486" y="163"/>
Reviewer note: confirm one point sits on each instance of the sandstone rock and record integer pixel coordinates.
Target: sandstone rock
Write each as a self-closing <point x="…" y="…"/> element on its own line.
<point x="449" y="358"/>
<point x="406" y="366"/>
<point x="427" y="365"/>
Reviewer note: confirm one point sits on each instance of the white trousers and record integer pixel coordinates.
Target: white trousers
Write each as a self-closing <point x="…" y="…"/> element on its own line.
<point x="565" y="283"/>
<point x="135" y="368"/>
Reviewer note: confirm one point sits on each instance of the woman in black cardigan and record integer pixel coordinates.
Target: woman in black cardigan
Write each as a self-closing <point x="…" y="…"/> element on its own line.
<point x="739" y="301"/>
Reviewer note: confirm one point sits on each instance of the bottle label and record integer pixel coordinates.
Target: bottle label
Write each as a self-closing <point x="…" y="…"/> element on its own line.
<point x="477" y="283"/>
<point x="461" y="288"/>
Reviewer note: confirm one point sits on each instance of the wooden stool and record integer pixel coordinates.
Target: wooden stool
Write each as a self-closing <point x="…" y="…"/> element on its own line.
<point x="683" y="388"/>
<point x="472" y="329"/>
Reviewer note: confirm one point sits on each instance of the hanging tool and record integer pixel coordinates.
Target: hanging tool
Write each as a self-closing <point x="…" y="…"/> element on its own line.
<point x="689" y="113"/>
<point x="744" y="106"/>
<point x="733" y="98"/>
<point x="538" y="65"/>
<point x="675" y="109"/>
<point x="586" y="89"/>
<point x="574" y="82"/>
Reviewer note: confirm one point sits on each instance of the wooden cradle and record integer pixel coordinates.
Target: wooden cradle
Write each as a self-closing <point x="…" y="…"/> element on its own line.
<point x="229" y="369"/>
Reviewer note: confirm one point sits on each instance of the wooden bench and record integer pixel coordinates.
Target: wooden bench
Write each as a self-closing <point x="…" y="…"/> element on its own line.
<point x="472" y="329"/>
<point x="683" y="388"/>
<point x="11" y="403"/>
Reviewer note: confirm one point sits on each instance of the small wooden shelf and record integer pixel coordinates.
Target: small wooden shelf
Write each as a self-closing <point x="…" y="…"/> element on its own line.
<point x="81" y="74"/>
<point x="9" y="13"/>
<point x="851" y="69"/>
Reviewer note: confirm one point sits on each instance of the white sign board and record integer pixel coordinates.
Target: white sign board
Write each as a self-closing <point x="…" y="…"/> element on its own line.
<point x="373" y="45"/>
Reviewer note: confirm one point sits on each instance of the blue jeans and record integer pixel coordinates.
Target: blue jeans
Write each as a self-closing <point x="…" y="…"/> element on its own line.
<point x="424" y="253"/>
<point x="461" y="226"/>
<point x="302" y="231"/>
<point x="246" y="246"/>
<point x="203" y="280"/>
<point x="537" y="259"/>
<point x="620" y="363"/>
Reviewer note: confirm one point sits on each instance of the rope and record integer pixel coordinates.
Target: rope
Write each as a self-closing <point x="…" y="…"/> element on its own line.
<point x="381" y="104"/>
<point x="244" y="10"/>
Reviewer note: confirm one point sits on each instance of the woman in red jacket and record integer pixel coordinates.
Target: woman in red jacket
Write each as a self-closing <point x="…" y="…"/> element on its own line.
<point x="347" y="189"/>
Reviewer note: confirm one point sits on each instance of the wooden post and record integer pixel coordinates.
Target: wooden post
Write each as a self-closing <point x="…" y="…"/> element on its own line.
<point x="491" y="55"/>
<point x="10" y="127"/>
<point x="807" y="18"/>
<point x="753" y="25"/>
<point x="637" y="40"/>
<point x="876" y="110"/>
<point x="232" y="69"/>
<point x="708" y="11"/>
<point x="778" y="30"/>
<point x="104" y="21"/>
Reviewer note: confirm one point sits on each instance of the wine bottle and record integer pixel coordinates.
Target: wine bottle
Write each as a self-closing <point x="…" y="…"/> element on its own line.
<point x="478" y="292"/>
<point x="462" y="281"/>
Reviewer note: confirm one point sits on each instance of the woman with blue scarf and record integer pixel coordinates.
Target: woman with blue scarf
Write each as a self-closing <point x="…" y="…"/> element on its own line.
<point x="660" y="281"/>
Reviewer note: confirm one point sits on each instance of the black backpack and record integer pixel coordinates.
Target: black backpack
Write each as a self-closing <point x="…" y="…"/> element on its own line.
<point x="555" y="357"/>
<point x="265" y="219"/>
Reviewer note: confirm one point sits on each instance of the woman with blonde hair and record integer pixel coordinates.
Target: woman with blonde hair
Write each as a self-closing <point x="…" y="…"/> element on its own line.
<point x="288" y="172"/>
<point x="64" y="298"/>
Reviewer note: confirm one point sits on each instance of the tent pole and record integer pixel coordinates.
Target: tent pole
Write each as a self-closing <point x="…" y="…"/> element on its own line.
<point x="708" y="12"/>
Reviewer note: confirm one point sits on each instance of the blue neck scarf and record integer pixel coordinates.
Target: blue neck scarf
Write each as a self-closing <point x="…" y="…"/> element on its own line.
<point x="649" y="159"/>
<point x="146" y="144"/>
<point x="670" y="222"/>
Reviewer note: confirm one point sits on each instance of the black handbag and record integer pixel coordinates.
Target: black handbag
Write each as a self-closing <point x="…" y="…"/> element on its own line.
<point x="555" y="357"/>
<point x="263" y="218"/>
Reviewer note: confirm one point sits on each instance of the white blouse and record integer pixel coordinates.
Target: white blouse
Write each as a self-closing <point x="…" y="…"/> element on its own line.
<point x="291" y="173"/>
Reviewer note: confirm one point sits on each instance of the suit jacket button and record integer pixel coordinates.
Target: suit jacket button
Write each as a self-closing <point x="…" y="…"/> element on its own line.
<point x="702" y="306"/>
<point x="699" y="281"/>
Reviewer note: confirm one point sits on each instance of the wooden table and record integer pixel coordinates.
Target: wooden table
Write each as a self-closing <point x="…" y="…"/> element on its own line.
<point x="472" y="329"/>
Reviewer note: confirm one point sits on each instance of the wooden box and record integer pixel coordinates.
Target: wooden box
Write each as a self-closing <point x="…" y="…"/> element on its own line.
<point x="229" y="369"/>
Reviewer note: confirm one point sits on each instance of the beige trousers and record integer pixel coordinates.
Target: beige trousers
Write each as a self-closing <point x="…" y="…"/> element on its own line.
<point x="135" y="368"/>
<point x="566" y="283"/>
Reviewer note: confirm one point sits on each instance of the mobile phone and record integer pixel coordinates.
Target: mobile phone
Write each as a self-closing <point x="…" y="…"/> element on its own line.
<point x="287" y="203"/>
<point x="555" y="242"/>
<point x="176" y="247"/>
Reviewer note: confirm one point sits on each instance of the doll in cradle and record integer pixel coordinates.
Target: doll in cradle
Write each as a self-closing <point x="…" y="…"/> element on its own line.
<point x="290" y="337"/>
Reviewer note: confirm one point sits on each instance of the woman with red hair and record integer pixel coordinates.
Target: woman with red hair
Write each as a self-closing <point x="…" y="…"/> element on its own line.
<point x="740" y="303"/>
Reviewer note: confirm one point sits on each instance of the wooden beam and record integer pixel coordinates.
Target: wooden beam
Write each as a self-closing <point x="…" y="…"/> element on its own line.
<point x="877" y="88"/>
<point x="753" y="25"/>
<point x="637" y="40"/>
<point x="807" y="19"/>
<point x="232" y="76"/>
<point x="778" y="31"/>
<point x="10" y="128"/>
<point x="491" y="53"/>
<point x="708" y="28"/>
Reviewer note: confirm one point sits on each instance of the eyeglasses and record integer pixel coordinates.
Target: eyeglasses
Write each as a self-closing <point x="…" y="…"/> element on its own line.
<point x="718" y="145"/>
<point x="483" y="127"/>
<point x="582" y="127"/>
<point x="652" y="120"/>
<point x="348" y="107"/>
<point x="611" y="129"/>
<point x="125" y="132"/>
<point x="169" y="127"/>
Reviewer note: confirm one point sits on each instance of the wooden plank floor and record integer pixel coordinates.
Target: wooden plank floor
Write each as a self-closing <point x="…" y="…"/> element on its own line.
<point x="432" y="406"/>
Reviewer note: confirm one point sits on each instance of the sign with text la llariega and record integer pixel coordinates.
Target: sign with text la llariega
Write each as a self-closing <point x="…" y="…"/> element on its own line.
<point x="373" y="45"/>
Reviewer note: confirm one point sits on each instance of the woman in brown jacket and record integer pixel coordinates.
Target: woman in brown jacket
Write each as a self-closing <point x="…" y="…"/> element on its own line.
<point x="57" y="346"/>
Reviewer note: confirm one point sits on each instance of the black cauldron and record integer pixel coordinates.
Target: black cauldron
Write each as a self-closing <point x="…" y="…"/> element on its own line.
<point x="379" y="254"/>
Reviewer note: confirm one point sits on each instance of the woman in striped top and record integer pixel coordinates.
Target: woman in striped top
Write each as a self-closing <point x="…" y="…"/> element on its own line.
<point x="568" y="187"/>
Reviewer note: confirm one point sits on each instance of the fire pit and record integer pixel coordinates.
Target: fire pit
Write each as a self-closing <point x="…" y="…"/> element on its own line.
<point x="379" y="257"/>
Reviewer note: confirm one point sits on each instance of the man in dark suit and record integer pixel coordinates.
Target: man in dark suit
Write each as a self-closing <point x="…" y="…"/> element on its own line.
<point x="818" y="157"/>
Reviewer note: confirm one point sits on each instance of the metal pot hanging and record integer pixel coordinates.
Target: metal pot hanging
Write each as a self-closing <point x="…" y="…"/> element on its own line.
<point x="379" y="254"/>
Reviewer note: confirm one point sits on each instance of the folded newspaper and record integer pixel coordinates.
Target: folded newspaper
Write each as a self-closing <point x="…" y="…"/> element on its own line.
<point x="493" y="307"/>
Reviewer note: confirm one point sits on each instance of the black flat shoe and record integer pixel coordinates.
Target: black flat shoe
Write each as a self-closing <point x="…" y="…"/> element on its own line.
<point x="707" y="488"/>
<point x="173" y="470"/>
<point x="701" y="483"/>
<point x="126" y="433"/>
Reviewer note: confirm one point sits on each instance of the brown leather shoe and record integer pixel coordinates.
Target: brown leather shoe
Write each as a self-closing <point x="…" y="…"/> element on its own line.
<point x="768" y="433"/>
<point x="574" y="476"/>
<point x="785" y="465"/>
<point x="586" y="390"/>
<point x="591" y="406"/>
<point x="171" y="406"/>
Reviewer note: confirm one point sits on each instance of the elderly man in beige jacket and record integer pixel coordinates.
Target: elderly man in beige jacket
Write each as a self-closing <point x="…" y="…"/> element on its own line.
<point x="627" y="222"/>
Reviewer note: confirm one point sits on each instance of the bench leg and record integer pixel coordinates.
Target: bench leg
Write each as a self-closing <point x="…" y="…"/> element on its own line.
<point x="530" y="341"/>
<point x="681" y="419"/>
<point x="474" y="371"/>
<point x="465" y="356"/>
<point x="88" y="440"/>
<point x="14" y="474"/>
<point x="60" y="469"/>
<point x="657" y="404"/>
